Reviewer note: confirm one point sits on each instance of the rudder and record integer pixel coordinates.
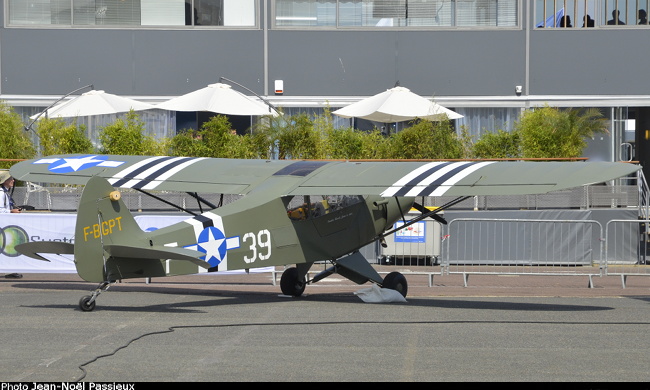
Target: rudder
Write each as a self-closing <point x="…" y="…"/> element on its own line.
<point x="102" y="219"/>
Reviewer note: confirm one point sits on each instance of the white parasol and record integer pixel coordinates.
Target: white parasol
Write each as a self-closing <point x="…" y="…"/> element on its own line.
<point x="218" y="98"/>
<point x="93" y="103"/>
<point x="397" y="104"/>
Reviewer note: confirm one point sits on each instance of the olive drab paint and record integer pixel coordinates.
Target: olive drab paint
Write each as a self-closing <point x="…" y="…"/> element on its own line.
<point x="104" y="229"/>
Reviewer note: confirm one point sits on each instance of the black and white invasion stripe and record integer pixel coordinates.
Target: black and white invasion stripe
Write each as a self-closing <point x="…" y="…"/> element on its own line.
<point x="149" y="173"/>
<point x="433" y="179"/>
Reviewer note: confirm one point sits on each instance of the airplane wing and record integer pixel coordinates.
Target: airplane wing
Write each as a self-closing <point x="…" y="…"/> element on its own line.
<point x="321" y="177"/>
<point x="459" y="178"/>
<point x="191" y="174"/>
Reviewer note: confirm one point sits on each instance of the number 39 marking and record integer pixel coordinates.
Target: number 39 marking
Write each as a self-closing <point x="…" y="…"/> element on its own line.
<point x="260" y="245"/>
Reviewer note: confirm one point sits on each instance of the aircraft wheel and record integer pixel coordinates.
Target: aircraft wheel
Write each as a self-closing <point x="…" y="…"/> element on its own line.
<point x="85" y="304"/>
<point x="396" y="281"/>
<point x="291" y="283"/>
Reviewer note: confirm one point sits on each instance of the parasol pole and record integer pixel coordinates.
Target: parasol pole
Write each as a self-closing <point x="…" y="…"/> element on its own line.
<point x="271" y="106"/>
<point x="29" y="127"/>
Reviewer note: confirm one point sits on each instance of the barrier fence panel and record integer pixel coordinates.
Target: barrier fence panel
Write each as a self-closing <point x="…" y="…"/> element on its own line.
<point x="627" y="248"/>
<point x="523" y="246"/>
<point x="417" y="244"/>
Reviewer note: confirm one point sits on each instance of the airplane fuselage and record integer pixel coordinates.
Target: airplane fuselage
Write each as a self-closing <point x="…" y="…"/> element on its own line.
<point x="242" y="235"/>
<point x="260" y="229"/>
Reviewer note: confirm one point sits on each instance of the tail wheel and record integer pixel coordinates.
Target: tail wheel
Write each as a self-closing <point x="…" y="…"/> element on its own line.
<point x="396" y="281"/>
<point x="292" y="283"/>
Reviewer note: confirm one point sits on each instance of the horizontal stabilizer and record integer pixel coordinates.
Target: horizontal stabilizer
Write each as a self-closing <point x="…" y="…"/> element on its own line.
<point x="157" y="253"/>
<point x="32" y="249"/>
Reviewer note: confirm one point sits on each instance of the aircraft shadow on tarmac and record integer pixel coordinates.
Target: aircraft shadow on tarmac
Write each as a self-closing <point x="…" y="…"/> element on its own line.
<point x="222" y="297"/>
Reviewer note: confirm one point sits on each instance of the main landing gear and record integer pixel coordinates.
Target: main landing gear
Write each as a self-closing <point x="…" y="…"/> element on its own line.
<point x="293" y="283"/>
<point x="87" y="303"/>
<point x="396" y="281"/>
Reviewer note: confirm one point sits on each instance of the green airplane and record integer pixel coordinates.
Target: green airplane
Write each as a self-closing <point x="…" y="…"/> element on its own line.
<point x="291" y="212"/>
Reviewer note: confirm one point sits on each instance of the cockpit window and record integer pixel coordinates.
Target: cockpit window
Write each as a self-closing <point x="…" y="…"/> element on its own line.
<point x="314" y="206"/>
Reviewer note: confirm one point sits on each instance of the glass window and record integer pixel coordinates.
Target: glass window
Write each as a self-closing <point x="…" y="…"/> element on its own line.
<point x="305" y="13"/>
<point x="106" y="12"/>
<point x="565" y="13"/>
<point x="590" y="13"/>
<point x="396" y="13"/>
<point x="204" y="13"/>
<point x="39" y="12"/>
<point x="306" y="207"/>
<point x="624" y="12"/>
<point x="162" y="13"/>
<point x="479" y="12"/>
<point x="85" y="12"/>
<point x="133" y="12"/>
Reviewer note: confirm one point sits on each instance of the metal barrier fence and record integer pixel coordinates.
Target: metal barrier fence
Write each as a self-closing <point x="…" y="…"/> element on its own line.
<point x="624" y="257"/>
<point x="473" y="246"/>
<point x="523" y="246"/>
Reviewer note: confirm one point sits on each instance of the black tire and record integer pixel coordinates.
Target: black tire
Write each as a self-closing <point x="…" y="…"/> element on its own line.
<point x="396" y="281"/>
<point x="85" y="304"/>
<point x="291" y="283"/>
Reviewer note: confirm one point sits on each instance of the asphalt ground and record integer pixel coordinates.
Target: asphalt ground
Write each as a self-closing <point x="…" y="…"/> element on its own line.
<point x="213" y="328"/>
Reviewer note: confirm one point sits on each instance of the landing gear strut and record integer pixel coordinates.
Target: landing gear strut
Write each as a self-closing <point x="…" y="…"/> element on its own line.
<point x="87" y="303"/>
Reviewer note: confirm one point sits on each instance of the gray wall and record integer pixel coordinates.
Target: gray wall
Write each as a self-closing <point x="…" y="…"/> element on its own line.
<point x="430" y="63"/>
<point x="326" y="63"/>
<point x="588" y="62"/>
<point x="127" y="62"/>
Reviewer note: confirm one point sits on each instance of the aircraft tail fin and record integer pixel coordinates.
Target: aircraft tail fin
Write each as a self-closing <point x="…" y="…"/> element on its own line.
<point x="102" y="219"/>
<point x="109" y="243"/>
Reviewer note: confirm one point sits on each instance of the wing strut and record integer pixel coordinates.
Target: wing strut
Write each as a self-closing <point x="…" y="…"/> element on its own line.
<point x="202" y="200"/>
<point x="167" y="202"/>
<point x="400" y="208"/>
<point x="428" y="213"/>
<point x="424" y="210"/>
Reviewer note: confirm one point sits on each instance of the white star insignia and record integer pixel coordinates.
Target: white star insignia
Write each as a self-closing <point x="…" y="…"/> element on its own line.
<point x="76" y="163"/>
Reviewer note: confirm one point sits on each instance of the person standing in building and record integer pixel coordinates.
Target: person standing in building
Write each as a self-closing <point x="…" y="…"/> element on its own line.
<point x="643" y="17"/>
<point x="589" y="22"/>
<point x="565" y="21"/>
<point x="615" y="20"/>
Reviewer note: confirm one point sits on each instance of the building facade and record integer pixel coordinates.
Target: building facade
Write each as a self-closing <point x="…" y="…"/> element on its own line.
<point x="486" y="59"/>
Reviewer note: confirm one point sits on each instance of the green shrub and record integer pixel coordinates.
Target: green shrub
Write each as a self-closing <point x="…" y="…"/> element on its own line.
<point x="501" y="144"/>
<point x="298" y="139"/>
<point x="428" y="140"/>
<point x="13" y="137"/>
<point x="187" y="143"/>
<point x="376" y="146"/>
<point x="549" y="132"/>
<point x="345" y="143"/>
<point x="56" y="137"/>
<point x="220" y="140"/>
<point x="127" y="137"/>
